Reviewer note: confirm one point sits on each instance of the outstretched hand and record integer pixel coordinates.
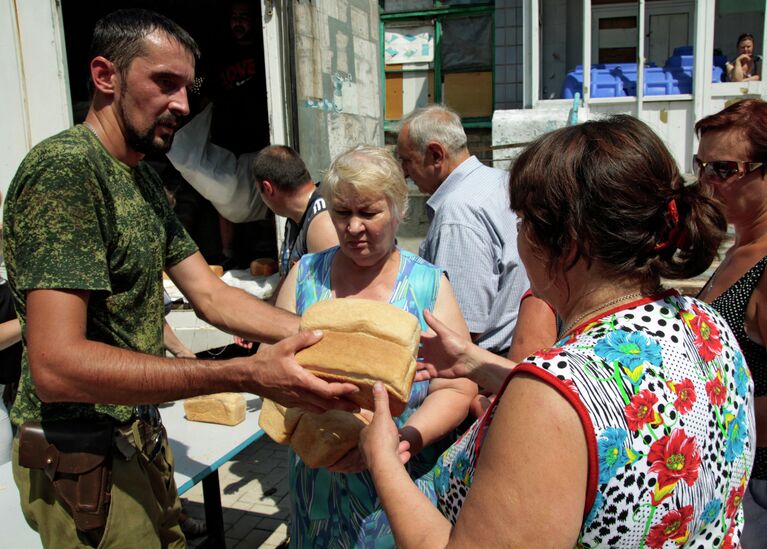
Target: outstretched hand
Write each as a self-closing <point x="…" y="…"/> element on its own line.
<point x="279" y="377"/>
<point x="380" y="439"/>
<point x="442" y="352"/>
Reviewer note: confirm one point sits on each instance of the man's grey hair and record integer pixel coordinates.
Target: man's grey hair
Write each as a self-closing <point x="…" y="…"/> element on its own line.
<point x="435" y="123"/>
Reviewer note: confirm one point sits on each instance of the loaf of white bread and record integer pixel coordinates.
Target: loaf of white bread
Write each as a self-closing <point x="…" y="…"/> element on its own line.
<point x="363" y="341"/>
<point x="320" y="440"/>
<point x="222" y="408"/>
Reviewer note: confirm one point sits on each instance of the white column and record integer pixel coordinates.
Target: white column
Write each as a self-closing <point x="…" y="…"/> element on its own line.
<point x="640" y="57"/>
<point x="274" y="63"/>
<point x="531" y="54"/>
<point x="705" y="13"/>
<point x="33" y="72"/>
<point x="586" y="52"/>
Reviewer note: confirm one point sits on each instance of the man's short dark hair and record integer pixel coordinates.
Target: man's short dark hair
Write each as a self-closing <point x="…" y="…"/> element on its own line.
<point x="119" y="36"/>
<point x="282" y="166"/>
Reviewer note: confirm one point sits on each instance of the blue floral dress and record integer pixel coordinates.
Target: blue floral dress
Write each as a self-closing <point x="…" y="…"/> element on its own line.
<point x="339" y="510"/>
<point x="666" y="403"/>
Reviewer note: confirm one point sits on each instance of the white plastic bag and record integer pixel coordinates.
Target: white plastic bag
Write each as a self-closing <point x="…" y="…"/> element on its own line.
<point x="215" y="172"/>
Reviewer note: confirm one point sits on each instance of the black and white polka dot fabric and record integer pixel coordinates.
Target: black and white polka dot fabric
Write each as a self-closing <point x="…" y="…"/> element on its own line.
<point x="666" y="404"/>
<point x="732" y="306"/>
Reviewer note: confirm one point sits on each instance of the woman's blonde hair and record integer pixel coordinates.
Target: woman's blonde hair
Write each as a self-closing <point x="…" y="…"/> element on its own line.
<point x="367" y="171"/>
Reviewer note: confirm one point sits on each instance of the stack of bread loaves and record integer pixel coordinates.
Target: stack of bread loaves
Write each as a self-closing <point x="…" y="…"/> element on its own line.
<point x="363" y="342"/>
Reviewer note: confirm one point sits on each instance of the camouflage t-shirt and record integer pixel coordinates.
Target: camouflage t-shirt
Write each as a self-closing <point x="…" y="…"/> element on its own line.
<point x="76" y="218"/>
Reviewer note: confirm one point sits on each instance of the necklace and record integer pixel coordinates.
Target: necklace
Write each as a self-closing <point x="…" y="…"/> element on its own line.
<point x="601" y="307"/>
<point x="92" y="129"/>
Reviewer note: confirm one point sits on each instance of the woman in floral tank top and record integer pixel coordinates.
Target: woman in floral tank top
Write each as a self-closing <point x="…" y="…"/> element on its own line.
<point x="732" y="162"/>
<point x="636" y="429"/>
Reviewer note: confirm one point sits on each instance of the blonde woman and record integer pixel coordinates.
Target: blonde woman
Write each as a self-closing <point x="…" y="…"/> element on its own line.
<point x="367" y="198"/>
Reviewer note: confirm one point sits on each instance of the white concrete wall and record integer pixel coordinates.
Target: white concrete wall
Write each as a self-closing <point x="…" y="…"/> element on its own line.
<point x="34" y="92"/>
<point x="514" y="128"/>
<point x="338" y="80"/>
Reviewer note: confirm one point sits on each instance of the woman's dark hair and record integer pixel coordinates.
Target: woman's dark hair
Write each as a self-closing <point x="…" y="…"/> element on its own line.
<point x="605" y="191"/>
<point x="119" y="36"/>
<point x="749" y="117"/>
<point x="745" y="36"/>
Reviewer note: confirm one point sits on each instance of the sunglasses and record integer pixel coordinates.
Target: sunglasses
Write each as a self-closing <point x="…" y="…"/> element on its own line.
<point x="723" y="169"/>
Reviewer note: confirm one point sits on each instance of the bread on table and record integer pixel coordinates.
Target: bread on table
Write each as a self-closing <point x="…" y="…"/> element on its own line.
<point x="218" y="270"/>
<point x="363" y="341"/>
<point x="263" y="266"/>
<point x="221" y="408"/>
<point x="320" y="440"/>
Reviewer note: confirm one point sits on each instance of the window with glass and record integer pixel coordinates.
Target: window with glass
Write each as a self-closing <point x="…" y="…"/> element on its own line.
<point x="738" y="39"/>
<point x="666" y="37"/>
<point x="438" y="52"/>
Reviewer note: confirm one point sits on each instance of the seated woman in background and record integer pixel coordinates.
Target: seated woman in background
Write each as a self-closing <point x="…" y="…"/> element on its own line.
<point x="636" y="428"/>
<point x="744" y="67"/>
<point x="732" y="160"/>
<point x="367" y="199"/>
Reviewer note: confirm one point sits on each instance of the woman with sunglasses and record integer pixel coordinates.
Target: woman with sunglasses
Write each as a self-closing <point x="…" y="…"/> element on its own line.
<point x="732" y="161"/>
<point x="636" y="428"/>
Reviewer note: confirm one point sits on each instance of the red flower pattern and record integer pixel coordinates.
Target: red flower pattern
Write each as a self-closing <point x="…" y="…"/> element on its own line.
<point x="640" y="411"/>
<point x="706" y="334"/>
<point x="673" y="526"/>
<point x="717" y="393"/>
<point x="728" y="536"/>
<point x="549" y="353"/>
<point x="685" y="395"/>
<point x="734" y="500"/>
<point x="570" y="385"/>
<point x="675" y="457"/>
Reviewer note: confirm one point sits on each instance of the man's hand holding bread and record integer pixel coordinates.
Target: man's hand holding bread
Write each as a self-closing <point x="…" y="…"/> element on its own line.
<point x="279" y="377"/>
<point x="364" y="342"/>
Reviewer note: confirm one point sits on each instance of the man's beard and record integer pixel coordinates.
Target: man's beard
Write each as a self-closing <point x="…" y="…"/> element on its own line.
<point x="146" y="142"/>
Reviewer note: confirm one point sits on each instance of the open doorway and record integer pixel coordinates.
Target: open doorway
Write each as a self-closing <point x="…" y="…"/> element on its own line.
<point x="231" y="74"/>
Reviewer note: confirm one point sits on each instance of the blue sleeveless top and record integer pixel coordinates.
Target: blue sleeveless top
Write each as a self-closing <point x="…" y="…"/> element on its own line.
<point x="340" y="510"/>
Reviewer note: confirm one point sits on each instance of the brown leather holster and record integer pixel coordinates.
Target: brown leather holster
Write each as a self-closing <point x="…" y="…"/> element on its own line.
<point x="76" y="456"/>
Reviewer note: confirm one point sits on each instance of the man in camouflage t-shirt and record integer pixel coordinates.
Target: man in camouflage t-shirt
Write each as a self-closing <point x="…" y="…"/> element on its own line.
<point x="88" y="234"/>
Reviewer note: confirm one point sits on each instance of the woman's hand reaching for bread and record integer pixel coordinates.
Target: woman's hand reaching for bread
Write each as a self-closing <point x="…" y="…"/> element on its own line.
<point x="275" y="374"/>
<point x="380" y="440"/>
<point x="443" y="352"/>
<point x="446" y="355"/>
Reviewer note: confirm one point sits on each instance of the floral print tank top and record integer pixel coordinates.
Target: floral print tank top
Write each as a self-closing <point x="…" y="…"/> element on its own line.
<point x="666" y="403"/>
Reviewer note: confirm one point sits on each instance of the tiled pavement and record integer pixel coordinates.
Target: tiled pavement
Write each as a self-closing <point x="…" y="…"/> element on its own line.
<point x="254" y="496"/>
